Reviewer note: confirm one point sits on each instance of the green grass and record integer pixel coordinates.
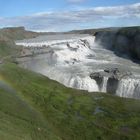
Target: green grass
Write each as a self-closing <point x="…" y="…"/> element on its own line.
<point x="8" y="48"/>
<point x="8" y="36"/>
<point x="38" y="108"/>
<point x="19" y="120"/>
<point x="16" y="33"/>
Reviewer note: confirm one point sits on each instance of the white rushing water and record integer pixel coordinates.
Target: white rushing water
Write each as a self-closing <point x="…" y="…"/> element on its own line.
<point x="71" y="58"/>
<point x="129" y="88"/>
<point x="104" y="85"/>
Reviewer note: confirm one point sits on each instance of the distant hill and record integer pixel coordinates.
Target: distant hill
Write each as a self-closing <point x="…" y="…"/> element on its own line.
<point x="92" y="31"/>
<point x="16" y="33"/>
<point x="9" y="35"/>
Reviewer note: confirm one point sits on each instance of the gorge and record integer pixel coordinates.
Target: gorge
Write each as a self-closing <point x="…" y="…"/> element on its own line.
<point x="86" y="62"/>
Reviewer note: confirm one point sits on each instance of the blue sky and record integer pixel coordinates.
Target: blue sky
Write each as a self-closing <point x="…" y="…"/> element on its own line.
<point x="63" y="15"/>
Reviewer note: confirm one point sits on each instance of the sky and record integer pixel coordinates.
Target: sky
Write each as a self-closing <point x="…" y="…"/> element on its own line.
<point x="65" y="15"/>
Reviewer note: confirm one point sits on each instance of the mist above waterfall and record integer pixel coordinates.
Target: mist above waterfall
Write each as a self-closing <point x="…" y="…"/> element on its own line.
<point x="70" y="59"/>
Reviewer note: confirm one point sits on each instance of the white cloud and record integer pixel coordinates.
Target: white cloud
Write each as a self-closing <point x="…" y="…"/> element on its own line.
<point x="68" y="20"/>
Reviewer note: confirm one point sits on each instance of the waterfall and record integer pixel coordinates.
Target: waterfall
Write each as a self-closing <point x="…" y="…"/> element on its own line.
<point x="70" y="59"/>
<point x="129" y="88"/>
<point x="104" y="84"/>
<point x="69" y="79"/>
<point x="84" y="83"/>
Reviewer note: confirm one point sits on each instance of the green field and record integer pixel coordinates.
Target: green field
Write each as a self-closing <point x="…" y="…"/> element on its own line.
<point x="33" y="107"/>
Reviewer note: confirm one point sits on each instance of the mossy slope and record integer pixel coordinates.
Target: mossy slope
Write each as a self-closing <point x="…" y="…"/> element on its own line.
<point x="41" y="108"/>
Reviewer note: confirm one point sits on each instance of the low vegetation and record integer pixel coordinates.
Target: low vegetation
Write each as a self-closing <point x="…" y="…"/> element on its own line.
<point x="8" y="36"/>
<point x="16" y="33"/>
<point x="37" y="108"/>
<point x="8" y="49"/>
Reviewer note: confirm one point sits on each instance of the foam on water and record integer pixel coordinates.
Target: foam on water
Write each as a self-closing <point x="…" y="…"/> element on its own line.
<point x="104" y="84"/>
<point x="129" y="88"/>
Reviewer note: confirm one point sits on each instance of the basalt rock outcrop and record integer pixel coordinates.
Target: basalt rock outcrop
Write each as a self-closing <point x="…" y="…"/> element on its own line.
<point x="113" y="77"/>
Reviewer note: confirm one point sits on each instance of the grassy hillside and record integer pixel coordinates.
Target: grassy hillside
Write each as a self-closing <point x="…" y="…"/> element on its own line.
<point x="35" y="107"/>
<point x="16" y="33"/>
<point x="7" y="38"/>
<point x="8" y="48"/>
<point x="20" y="121"/>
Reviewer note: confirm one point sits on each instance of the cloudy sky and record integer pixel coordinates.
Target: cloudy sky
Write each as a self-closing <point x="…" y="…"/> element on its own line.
<point x="64" y="15"/>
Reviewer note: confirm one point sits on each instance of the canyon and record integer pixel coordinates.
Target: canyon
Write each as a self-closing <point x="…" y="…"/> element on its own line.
<point x="84" y="61"/>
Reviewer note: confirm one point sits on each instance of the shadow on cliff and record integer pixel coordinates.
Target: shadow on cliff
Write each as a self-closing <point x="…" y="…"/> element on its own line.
<point x="124" y="42"/>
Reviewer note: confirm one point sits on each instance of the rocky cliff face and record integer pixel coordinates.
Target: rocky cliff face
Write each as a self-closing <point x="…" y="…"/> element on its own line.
<point x="117" y="82"/>
<point x="124" y="42"/>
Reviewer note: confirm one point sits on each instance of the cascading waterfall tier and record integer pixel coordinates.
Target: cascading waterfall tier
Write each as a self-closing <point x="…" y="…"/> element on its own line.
<point x="71" y="80"/>
<point x="77" y="61"/>
<point x="121" y="83"/>
<point x="129" y="88"/>
<point x="104" y="84"/>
